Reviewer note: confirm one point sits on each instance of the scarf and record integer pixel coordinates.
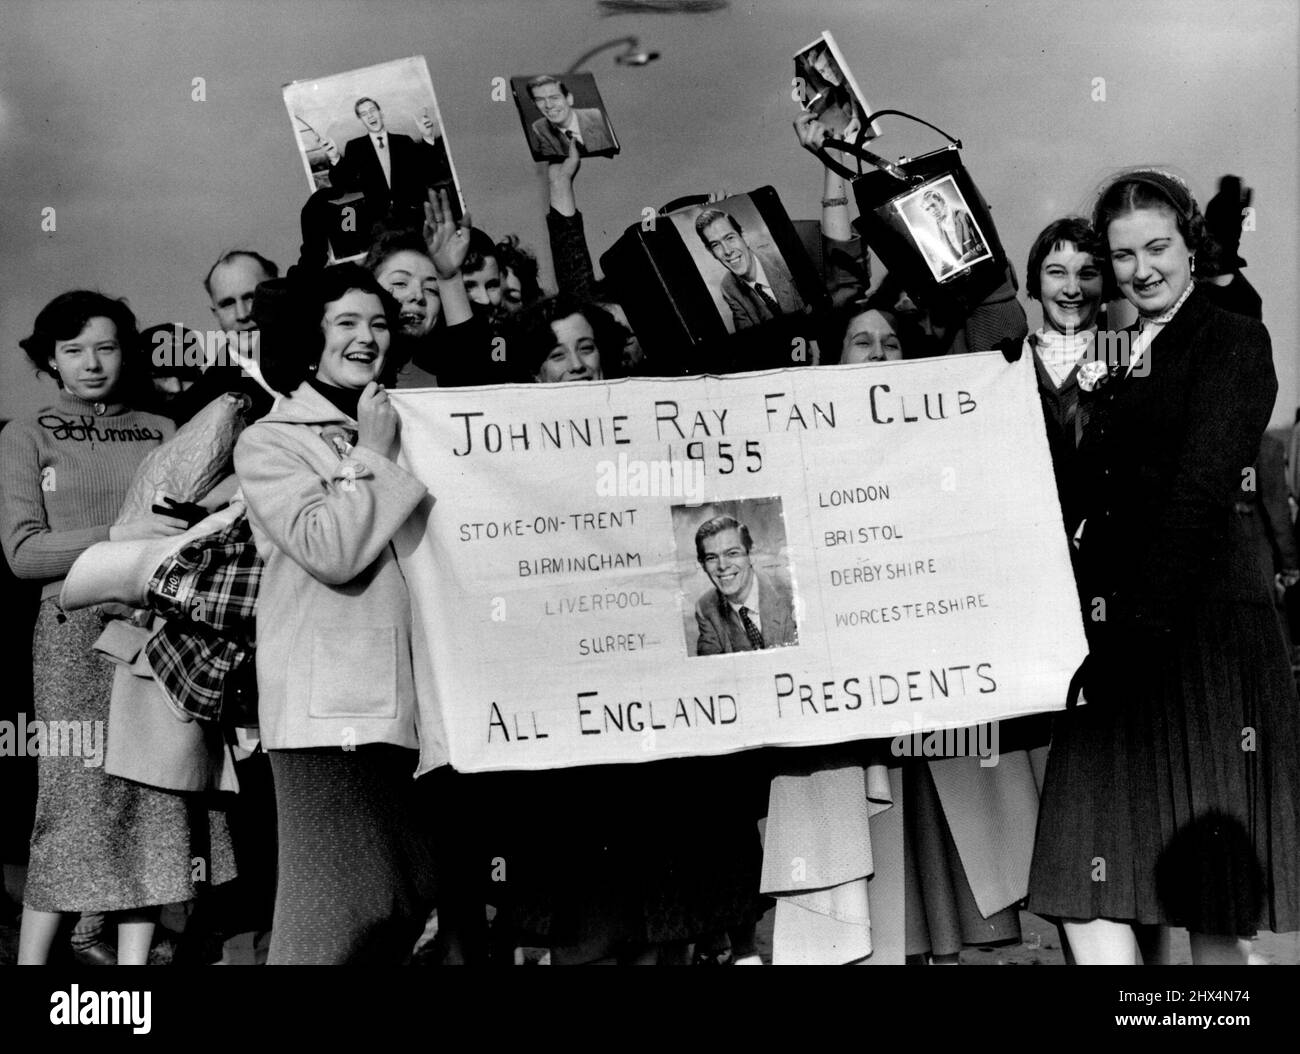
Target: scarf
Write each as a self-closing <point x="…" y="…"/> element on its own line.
<point x="1060" y="352"/>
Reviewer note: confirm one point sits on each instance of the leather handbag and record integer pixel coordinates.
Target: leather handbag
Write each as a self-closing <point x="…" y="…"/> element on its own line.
<point x="926" y="220"/>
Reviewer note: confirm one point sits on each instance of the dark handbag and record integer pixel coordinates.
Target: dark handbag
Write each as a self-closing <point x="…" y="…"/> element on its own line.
<point x="926" y="221"/>
<point x="679" y="299"/>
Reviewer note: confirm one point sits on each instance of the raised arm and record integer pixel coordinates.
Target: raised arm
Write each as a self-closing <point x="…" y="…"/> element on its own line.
<point x="574" y="272"/>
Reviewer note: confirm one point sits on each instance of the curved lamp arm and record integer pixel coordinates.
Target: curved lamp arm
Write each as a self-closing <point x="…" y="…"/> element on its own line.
<point x="632" y="54"/>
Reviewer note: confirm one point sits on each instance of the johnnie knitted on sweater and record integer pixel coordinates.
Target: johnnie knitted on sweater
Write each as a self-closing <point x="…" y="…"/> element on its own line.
<point x="63" y="477"/>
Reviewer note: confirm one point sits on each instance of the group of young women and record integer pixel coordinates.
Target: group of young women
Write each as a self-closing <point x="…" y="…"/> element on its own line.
<point x="1169" y="798"/>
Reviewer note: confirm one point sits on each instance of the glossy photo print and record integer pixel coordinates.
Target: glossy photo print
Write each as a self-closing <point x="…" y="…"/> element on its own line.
<point x="941" y="224"/>
<point x="559" y="108"/>
<point x="372" y="145"/>
<point x="734" y="252"/>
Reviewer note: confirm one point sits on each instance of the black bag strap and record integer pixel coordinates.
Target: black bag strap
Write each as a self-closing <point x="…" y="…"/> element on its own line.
<point x="912" y="117"/>
<point x="856" y="149"/>
<point x="684" y="202"/>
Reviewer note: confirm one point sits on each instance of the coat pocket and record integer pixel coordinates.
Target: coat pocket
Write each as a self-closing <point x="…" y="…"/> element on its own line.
<point x="354" y="673"/>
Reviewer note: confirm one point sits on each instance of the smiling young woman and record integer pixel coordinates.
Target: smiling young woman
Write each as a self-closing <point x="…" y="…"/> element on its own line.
<point x="1172" y="797"/>
<point x="1065" y="274"/>
<point x="99" y="843"/>
<point x="325" y="499"/>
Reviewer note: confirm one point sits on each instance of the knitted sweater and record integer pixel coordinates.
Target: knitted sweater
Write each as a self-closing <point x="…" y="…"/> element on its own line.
<point x="63" y="477"/>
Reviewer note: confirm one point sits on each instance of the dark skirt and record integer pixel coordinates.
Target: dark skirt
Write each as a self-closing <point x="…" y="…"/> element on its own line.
<point x="1177" y="800"/>
<point x="100" y="843"/>
<point x="356" y="871"/>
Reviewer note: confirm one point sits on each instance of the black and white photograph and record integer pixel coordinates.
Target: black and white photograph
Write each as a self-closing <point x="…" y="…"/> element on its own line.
<point x="560" y="110"/>
<point x="737" y="592"/>
<point x="942" y="227"/>
<point x="375" y="136"/>
<point x="250" y="254"/>
<point x="828" y="91"/>
<point x="745" y="272"/>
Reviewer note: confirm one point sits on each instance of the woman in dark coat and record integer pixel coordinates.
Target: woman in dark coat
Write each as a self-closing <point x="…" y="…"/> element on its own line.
<point x="1172" y="796"/>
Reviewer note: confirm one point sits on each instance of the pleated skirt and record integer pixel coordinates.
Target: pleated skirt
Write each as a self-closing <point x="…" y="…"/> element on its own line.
<point x="1177" y="800"/>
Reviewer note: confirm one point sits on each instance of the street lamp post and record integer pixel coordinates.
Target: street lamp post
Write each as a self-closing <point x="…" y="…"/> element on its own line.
<point x="632" y="55"/>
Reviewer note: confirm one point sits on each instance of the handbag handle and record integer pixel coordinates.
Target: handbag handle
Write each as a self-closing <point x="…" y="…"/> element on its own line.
<point x="863" y="154"/>
<point x="684" y="202"/>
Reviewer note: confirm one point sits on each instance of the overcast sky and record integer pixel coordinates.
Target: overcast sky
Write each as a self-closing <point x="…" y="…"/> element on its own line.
<point x="97" y="122"/>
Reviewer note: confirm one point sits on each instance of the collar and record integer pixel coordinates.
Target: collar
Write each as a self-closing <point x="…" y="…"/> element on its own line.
<point x="306" y="406"/>
<point x="571" y="125"/>
<point x="750" y="600"/>
<point x="760" y="276"/>
<point x="71" y="404"/>
<point x="344" y="400"/>
<point x="1053" y="344"/>
<point x="1164" y="319"/>
<point x="1058" y="355"/>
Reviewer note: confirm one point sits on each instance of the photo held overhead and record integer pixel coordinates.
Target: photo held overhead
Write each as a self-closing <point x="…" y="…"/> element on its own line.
<point x="373" y="146"/>
<point x="559" y="109"/>
<point x="825" y="87"/>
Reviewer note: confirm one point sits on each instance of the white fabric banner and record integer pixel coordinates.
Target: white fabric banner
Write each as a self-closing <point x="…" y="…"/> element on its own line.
<point x="892" y="532"/>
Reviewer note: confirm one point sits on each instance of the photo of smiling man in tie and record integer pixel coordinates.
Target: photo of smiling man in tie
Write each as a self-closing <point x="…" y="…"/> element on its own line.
<point x="757" y="285"/>
<point x="746" y="610"/>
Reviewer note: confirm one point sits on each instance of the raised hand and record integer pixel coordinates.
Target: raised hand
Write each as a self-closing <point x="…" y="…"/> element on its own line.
<point x="427" y="128"/>
<point x="560" y="175"/>
<point x="448" y="240"/>
<point x="331" y="150"/>
<point x="376" y="421"/>
<point x="568" y="168"/>
<point x="811" y="132"/>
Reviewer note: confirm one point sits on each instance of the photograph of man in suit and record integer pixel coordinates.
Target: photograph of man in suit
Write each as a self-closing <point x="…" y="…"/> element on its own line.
<point x="757" y="285"/>
<point x="746" y="610"/>
<point x="561" y="122"/>
<point x="958" y="240"/>
<point x="392" y="170"/>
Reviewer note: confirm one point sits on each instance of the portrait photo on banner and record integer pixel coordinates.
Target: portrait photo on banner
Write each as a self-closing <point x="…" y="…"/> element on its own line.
<point x="826" y="88"/>
<point x="558" y="108"/>
<point x="736" y="256"/>
<point x="372" y="144"/>
<point x="941" y="225"/>
<point x="737" y="587"/>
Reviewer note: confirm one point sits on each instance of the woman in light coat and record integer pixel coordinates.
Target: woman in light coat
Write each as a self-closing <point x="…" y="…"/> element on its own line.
<point x="336" y="696"/>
